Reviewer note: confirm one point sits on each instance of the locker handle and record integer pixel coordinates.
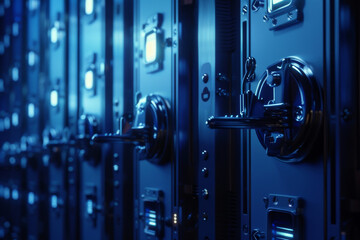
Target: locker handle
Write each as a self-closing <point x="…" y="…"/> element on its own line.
<point x="134" y="136"/>
<point x="150" y="131"/>
<point x="285" y="110"/>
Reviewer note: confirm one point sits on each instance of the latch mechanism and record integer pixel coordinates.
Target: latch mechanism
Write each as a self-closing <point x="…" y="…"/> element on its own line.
<point x="150" y="130"/>
<point x="285" y="110"/>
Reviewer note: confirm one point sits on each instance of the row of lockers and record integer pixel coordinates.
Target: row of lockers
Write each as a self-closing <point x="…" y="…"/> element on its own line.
<point x="184" y="119"/>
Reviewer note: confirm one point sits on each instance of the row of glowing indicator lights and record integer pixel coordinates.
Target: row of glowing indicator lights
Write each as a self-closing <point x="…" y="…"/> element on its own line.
<point x="54" y="31"/>
<point x="34" y="5"/>
<point x="54" y="96"/>
<point x="6" y="193"/>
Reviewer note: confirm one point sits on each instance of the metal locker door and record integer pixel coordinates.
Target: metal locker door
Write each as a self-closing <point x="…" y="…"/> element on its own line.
<point x="122" y="114"/>
<point x="218" y="82"/>
<point x="162" y="81"/>
<point x="73" y="161"/>
<point x="13" y="121"/>
<point x="95" y="110"/>
<point x="56" y="135"/>
<point x="163" y="160"/>
<point x="119" y="35"/>
<point x="36" y="163"/>
<point x="288" y="162"/>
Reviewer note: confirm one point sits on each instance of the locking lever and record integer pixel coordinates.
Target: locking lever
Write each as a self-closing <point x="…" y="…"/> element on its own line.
<point x="285" y="111"/>
<point x="274" y="116"/>
<point x="150" y="130"/>
<point x="135" y="136"/>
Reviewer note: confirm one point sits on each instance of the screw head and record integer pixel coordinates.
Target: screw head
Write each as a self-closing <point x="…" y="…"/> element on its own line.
<point x="299" y="114"/>
<point x="205" y="172"/>
<point x="291" y="202"/>
<point x="244" y="9"/>
<point x="205" y="154"/>
<point x="205" y="193"/>
<point x="205" y="77"/>
<point x="275" y="200"/>
<point x="204" y="216"/>
<point x="265" y="18"/>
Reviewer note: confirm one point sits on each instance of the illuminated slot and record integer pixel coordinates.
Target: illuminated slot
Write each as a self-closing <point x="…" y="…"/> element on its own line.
<point x="31" y="58"/>
<point x="6" y="193"/>
<point x="15" y="29"/>
<point x="275" y="5"/>
<point x="15" y="74"/>
<point x="89" y="207"/>
<point x="54" y="36"/>
<point x="15" y="194"/>
<point x="150" y="48"/>
<point x="31" y="110"/>
<point x="7" y="40"/>
<point x="15" y="119"/>
<point x="7" y="123"/>
<point x="150" y="221"/>
<point x="150" y="217"/>
<point x="277" y="1"/>
<point x="89" y="7"/>
<point x="31" y="198"/>
<point x="89" y="79"/>
<point x="282" y="232"/>
<point x="33" y="5"/>
<point x="54" y="98"/>
<point x="54" y="201"/>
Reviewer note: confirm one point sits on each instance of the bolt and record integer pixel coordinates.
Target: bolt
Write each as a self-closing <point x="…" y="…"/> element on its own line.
<point x="205" y="155"/>
<point x="291" y="202"/>
<point x="265" y="18"/>
<point x="205" y="193"/>
<point x="244" y="9"/>
<point x="299" y="113"/>
<point x="204" y="216"/>
<point x="205" y="77"/>
<point x="275" y="200"/>
<point x="205" y="172"/>
<point x="290" y="16"/>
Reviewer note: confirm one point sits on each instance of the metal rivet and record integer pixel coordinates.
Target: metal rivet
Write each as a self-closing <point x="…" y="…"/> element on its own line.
<point x="290" y="16"/>
<point x="205" y="193"/>
<point x="244" y="9"/>
<point x="266" y="18"/>
<point x="205" y="77"/>
<point x="204" y="216"/>
<point x="291" y="202"/>
<point x="205" y="172"/>
<point x="275" y="200"/>
<point x="205" y="155"/>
